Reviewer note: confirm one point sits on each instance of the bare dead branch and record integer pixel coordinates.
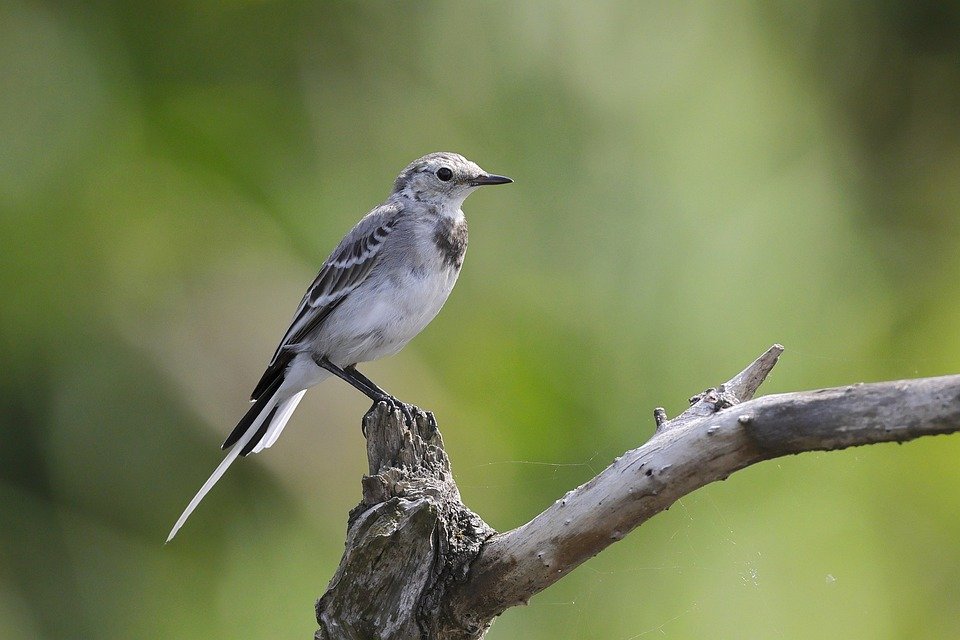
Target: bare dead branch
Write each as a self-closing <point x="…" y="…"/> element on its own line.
<point x="680" y="459"/>
<point x="744" y="385"/>
<point x="420" y="564"/>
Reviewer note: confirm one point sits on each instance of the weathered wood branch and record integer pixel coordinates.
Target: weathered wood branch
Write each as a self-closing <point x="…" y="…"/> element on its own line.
<point x="420" y="564"/>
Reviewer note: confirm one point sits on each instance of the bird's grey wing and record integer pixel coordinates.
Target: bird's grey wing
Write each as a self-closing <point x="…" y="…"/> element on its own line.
<point x="343" y="271"/>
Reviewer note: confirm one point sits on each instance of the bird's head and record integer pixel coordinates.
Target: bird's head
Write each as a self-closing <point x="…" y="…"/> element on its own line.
<point x="444" y="179"/>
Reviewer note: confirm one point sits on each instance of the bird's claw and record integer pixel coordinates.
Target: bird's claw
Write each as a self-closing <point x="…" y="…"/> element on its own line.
<point x="406" y="410"/>
<point x="409" y="412"/>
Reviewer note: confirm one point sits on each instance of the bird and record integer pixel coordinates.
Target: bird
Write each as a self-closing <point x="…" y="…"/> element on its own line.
<point x="378" y="289"/>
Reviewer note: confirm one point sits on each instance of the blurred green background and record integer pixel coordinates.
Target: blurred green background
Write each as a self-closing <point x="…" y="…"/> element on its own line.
<point x="694" y="181"/>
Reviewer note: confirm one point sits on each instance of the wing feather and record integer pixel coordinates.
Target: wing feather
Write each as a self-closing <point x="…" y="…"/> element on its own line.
<point x="342" y="272"/>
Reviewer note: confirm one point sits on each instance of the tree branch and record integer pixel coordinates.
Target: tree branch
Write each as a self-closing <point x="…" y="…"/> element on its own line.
<point x="463" y="576"/>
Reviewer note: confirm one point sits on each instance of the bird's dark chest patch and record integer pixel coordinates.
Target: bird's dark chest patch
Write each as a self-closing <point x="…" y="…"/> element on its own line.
<point x="451" y="238"/>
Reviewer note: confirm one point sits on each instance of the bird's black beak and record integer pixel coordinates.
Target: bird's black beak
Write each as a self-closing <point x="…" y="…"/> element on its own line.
<point x="489" y="179"/>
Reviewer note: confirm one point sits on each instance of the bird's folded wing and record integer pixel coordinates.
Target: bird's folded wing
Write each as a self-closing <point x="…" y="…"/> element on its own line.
<point x="347" y="267"/>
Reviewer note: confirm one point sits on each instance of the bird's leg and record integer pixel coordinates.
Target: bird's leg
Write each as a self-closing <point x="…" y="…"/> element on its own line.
<point x="406" y="409"/>
<point x="364" y="385"/>
<point x="393" y="401"/>
<point x="372" y="393"/>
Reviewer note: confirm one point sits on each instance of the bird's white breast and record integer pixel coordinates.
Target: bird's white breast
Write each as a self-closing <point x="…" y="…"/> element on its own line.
<point x="392" y="307"/>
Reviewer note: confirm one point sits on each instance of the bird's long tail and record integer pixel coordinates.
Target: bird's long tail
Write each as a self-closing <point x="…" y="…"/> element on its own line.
<point x="258" y="429"/>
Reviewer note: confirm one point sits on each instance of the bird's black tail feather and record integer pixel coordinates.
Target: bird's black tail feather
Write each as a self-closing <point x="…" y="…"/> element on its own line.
<point x="248" y="418"/>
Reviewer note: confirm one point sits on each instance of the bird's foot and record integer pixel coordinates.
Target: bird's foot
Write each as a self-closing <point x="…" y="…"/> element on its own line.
<point x="408" y="411"/>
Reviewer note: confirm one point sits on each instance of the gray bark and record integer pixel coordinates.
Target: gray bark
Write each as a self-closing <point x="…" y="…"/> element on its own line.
<point x="419" y="564"/>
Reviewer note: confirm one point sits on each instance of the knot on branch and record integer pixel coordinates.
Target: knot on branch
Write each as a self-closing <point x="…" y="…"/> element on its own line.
<point x="717" y="399"/>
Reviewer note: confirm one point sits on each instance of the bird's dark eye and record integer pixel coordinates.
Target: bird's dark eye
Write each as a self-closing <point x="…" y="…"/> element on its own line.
<point x="444" y="174"/>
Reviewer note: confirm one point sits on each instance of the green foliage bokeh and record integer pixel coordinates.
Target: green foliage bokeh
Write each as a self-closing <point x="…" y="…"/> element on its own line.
<point x="694" y="181"/>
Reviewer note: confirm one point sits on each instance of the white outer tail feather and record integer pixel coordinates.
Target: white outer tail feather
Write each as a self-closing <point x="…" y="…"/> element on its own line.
<point x="275" y="428"/>
<point x="286" y="409"/>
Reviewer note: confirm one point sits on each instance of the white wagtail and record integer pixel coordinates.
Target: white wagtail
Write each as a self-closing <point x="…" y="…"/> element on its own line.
<point x="385" y="281"/>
